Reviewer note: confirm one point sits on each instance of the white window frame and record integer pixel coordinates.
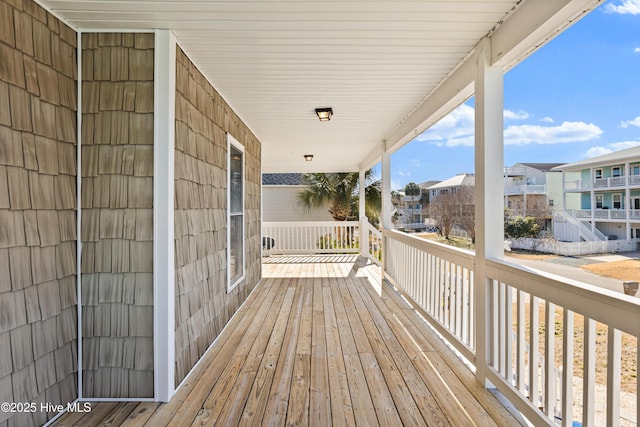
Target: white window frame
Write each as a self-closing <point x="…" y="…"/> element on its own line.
<point x="601" y="201"/>
<point x="597" y="172"/>
<point x="613" y="200"/>
<point x="616" y="168"/>
<point x="232" y="142"/>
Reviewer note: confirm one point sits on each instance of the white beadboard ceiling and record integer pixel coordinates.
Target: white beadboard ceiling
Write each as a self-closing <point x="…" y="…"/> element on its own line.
<point x="387" y="68"/>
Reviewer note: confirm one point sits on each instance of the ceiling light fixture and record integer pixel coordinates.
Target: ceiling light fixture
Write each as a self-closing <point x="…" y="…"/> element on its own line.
<point x="308" y="157"/>
<point x="324" y="114"/>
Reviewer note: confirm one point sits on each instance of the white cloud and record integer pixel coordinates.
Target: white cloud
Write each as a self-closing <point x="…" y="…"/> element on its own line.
<point x="457" y="130"/>
<point x="610" y="148"/>
<point x="631" y="7"/>
<point x="560" y="134"/>
<point x="634" y="122"/>
<point x="453" y="130"/>
<point x="515" y="115"/>
<point x="403" y="173"/>
<point x="547" y="120"/>
<point x="637" y="50"/>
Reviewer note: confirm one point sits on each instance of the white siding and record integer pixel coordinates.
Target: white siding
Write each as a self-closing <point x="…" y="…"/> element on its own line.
<point x="280" y="204"/>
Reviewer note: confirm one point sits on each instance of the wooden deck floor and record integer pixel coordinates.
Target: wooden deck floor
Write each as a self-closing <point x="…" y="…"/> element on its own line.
<point x="315" y="344"/>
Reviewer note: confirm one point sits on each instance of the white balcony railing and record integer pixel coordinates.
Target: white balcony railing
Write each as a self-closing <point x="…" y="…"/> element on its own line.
<point x="512" y="190"/>
<point x="531" y="323"/>
<point x="599" y="214"/>
<point x="311" y="237"/>
<point x="614" y="181"/>
<point x="603" y="183"/>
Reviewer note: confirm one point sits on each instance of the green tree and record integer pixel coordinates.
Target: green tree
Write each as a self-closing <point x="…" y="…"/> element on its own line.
<point x="520" y="226"/>
<point x="340" y="191"/>
<point x="412" y="189"/>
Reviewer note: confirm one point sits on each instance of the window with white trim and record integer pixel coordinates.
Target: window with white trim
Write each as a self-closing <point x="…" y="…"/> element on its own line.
<point x="616" y="201"/>
<point x="597" y="173"/>
<point x="599" y="201"/>
<point x="616" y="171"/>
<point x="235" y="212"/>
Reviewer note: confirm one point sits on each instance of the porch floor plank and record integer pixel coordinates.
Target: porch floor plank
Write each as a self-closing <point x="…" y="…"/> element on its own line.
<point x="320" y="342"/>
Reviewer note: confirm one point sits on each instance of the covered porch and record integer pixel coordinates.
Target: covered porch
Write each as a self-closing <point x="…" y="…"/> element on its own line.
<point x="320" y="341"/>
<point x="134" y="137"/>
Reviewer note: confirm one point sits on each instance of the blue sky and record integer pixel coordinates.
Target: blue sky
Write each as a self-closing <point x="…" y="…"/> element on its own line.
<point x="575" y="98"/>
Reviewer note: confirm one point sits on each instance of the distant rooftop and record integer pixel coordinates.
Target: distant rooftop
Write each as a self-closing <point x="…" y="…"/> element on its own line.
<point x="456" y="181"/>
<point x="282" y="179"/>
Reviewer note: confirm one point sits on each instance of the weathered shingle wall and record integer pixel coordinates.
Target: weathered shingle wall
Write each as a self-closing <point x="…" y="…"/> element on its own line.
<point x="117" y="214"/>
<point x="203" y="305"/>
<point x="38" y="321"/>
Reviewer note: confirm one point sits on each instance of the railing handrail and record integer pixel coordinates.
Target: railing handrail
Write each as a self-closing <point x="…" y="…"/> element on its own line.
<point x="603" y="305"/>
<point x="307" y="223"/>
<point x="463" y="257"/>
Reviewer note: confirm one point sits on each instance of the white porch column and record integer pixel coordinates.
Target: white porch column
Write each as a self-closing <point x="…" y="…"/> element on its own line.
<point x="364" y="232"/>
<point x="163" y="216"/>
<point x="385" y="214"/>
<point x="489" y="164"/>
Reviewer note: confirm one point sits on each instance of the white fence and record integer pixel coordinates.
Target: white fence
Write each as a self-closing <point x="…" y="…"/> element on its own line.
<point x="310" y="237"/>
<point x="510" y="308"/>
<point x="551" y="246"/>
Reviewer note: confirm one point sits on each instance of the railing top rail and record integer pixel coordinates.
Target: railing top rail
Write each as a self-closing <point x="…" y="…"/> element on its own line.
<point x="310" y="223"/>
<point x="603" y="305"/>
<point x="462" y="257"/>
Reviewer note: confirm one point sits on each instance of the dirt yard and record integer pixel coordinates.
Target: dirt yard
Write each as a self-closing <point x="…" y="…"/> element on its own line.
<point x="628" y="269"/>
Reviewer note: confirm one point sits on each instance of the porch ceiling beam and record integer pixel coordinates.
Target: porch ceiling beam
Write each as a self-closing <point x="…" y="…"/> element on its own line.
<point x="526" y="29"/>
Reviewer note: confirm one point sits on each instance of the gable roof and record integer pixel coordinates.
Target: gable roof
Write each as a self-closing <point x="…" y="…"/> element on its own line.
<point x="630" y="154"/>
<point x="455" y="181"/>
<point x="428" y="184"/>
<point x="282" y="179"/>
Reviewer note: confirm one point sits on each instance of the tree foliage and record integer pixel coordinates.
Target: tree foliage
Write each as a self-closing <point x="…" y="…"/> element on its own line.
<point x="412" y="189"/>
<point x="340" y="191"/>
<point x="455" y="208"/>
<point x="519" y="226"/>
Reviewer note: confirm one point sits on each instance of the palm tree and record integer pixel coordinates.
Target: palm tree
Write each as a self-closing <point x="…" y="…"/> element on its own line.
<point x="340" y="191"/>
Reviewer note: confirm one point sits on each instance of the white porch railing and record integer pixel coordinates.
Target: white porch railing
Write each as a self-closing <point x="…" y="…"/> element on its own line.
<point x="374" y="239"/>
<point x="310" y="237"/>
<point x="524" y="308"/>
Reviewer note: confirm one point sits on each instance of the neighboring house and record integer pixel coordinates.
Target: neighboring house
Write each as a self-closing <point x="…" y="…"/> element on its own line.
<point x="452" y="184"/>
<point x="280" y="200"/>
<point x="413" y="209"/>
<point x="608" y="189"/>
<point x="533" y="189"/>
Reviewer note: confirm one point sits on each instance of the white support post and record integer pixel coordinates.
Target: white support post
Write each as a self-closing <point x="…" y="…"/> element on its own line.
<point x="163" y="216"/>
<point x="489" y="187"/>
<point x="385" y="218"/>
<point x="364" y="231"/>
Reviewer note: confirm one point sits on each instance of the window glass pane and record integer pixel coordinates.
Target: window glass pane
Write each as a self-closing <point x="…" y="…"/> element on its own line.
<point x="235" y="186"/>
<point x="235" y="248"/>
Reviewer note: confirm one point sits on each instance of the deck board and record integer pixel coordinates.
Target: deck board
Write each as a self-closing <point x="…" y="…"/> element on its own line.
<point x="320" y="343"/>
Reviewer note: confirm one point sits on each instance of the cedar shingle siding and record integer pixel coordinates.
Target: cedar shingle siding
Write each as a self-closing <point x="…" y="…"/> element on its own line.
<point x="202" y="303"/>
<point x="38" y="310"/>
<point x="38" y="213"/>
<point x="117" y="212"/>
